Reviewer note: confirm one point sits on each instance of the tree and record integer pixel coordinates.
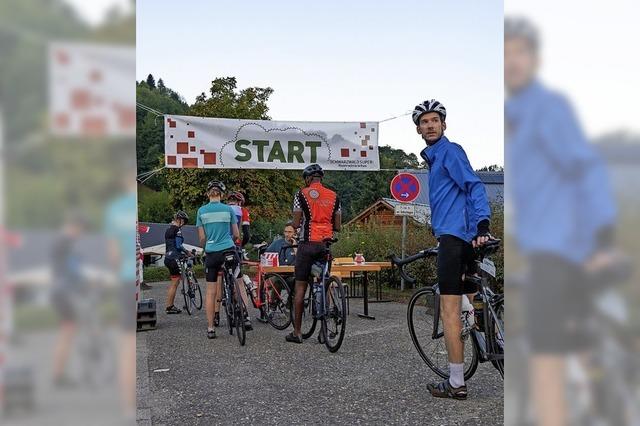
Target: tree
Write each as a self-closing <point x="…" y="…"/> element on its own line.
<point x="150" y="128"/>
<point x="151" y="82"/>
<point x="358" y="190"/>
<point x="492" y="168"/>
<point x="161" y="86"/>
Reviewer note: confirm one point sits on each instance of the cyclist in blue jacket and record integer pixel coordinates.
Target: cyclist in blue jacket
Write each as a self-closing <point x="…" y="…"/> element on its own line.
<point x="460" y="221"/>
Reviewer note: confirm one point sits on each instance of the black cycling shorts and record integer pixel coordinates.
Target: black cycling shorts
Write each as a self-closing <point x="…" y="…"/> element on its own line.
<point x="213" y="264"/>
<point x="308" y="253"/>
<point x="172" y="266"/>
<point x="557" y="305"/>
<point x="455" y="257"/>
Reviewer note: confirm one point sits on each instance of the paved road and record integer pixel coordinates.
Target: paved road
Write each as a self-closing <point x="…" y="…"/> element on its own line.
<point x="376" y="377"/>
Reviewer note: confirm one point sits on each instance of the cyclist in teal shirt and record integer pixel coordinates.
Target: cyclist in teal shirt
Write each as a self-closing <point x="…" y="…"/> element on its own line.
<point x="213" y="221"/>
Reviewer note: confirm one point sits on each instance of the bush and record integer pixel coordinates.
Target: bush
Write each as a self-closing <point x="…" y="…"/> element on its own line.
<point x="155" y="207"/>
<point x="158" y="273"/>
<point x="377" y="243"/>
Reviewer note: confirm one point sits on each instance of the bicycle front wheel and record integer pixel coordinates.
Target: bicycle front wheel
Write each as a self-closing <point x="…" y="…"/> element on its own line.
<point x="228" y="300"/>
<point x="185" y="293"/>
<point x="495" y="336"/>
<point x="309" y="319"/>
<point x="423" y="320"/>
<point x="240" y="312"/>
<point x="334" y="321"/>
<point x="197" y="293"/>
<point x="276" y="298"/>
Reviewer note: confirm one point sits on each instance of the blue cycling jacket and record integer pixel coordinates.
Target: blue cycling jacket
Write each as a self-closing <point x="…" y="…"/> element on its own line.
<point x="556" y="180"/>
<point x="457" y="196"/>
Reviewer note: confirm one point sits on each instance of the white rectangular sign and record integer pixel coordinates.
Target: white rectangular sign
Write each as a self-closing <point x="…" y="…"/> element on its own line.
<point x="220" y="143"/>
<point x="404" y="210"/>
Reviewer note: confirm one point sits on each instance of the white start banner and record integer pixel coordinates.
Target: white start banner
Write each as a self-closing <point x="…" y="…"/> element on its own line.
<point x="220" y="143"/>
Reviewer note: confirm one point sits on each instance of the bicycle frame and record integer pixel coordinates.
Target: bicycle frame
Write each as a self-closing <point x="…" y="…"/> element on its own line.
<point x="321" y="310"/>
<point x="489" y="300"/>
<point x="261" y="282"/>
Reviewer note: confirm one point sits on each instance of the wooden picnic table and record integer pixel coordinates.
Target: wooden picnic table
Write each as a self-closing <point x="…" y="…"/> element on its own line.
<point x="349" y="268"/>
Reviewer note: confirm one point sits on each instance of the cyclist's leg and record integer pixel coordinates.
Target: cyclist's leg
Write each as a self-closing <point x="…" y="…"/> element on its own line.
<point x="174" y="271"/>
<point x="304" y="260"/>
<point x="213" y="263"/>
<point x="218" y="299"/>
<point x="450" y="269"/>
<point x="62" y="348"/>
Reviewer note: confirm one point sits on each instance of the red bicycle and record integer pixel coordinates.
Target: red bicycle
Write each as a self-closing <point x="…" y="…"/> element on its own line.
<point x="269" y="293"/>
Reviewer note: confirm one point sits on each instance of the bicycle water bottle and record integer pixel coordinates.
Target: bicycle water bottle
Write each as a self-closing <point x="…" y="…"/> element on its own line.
<point x="478" y="307"/>
<point x="251" y="288"/>
<point x="317" y="295"/>
<point x="467" y="311"/>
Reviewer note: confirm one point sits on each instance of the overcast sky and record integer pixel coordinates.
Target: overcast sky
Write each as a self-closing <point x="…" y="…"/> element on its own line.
<point x="341" y="61"/>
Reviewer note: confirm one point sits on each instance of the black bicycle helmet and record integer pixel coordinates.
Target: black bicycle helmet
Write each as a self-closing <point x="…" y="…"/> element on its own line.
<point x="216" y="184"/>
<point x="312" y="170"/>
<point x="182" y="215"/>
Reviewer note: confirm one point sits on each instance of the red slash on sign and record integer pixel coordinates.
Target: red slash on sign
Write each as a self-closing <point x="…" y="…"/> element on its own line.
<point x="405" y="187"/>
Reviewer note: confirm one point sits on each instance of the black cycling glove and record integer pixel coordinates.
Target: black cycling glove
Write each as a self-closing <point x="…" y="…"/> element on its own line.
<point x="483" y="228"/>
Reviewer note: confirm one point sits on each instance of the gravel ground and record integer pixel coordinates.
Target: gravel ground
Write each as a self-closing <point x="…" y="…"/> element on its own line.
<point x="376" y="377"/>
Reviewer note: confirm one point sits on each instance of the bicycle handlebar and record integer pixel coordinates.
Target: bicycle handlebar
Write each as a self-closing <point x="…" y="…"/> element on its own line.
<point x="487" y="248"/>
<point x="401" y="263"/>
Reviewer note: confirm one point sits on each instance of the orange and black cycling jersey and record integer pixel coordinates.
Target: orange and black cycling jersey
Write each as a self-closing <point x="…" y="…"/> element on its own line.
<point x="318" y="206"/>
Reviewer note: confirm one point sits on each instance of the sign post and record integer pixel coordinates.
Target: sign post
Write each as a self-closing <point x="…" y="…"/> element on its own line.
<point x="405" y="187"/>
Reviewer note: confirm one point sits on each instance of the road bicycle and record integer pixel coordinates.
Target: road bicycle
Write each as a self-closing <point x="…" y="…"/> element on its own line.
<point x="190" y="287"/>
<point x="486" y="328"/>
<point x="325" y="301"/>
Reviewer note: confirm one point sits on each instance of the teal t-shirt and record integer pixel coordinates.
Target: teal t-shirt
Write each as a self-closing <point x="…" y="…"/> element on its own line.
<point x="120" y="225"/>
<point x="216" y="218"/>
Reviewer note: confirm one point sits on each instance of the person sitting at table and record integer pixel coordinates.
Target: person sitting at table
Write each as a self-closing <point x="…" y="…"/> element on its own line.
<point x="288" y="255"/>
<point x="285" y="257"/>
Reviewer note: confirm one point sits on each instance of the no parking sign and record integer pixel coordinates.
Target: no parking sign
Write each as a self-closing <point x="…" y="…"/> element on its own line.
<point x="405" y="187"/>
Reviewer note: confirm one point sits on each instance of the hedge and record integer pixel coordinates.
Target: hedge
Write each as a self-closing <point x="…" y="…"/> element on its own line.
<point x="160" y="273"/>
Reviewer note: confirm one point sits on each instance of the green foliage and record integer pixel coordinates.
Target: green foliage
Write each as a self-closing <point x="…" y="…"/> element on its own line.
<point x="151" y="82"/>
<point x="159" y="273"/>
<point x="150" y="128"/>
<point x="154" y="207"/>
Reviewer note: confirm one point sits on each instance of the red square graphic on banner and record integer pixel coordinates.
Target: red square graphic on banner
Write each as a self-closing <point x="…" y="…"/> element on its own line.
<point x="172" y="123"/>
<point x="363" y="125"/>
<point x="188" y="163"/>
<point x="171" y="160"/>
<point x="344" y="152"/>
<point x="363" y="153"/>
<point x="192" y="148"/>
<point x="210" y="158"/>
<point x="95" y="126"/>
<point x="191" y="134"/>
<point x="182" y="148"/>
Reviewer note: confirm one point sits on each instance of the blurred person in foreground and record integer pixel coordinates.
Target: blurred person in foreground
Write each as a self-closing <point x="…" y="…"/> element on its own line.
<point x="120" y="229"/>
<point x="67" y="286"/>
<point x="564" y="216"/>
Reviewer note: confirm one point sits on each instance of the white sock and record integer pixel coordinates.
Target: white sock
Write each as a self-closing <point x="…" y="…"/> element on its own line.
<point x="211" y="329"/>
<point x="456" y="375"/>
